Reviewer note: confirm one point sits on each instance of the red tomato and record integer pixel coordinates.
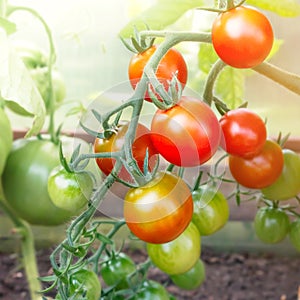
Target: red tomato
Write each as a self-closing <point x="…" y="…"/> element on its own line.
<point x="244" y="132"/>
<point x="260" y="170"/>
<point x="187" y="134"/>
<point x="159" y="211"/>
<point x="242" y="37"/>
<point x="142" y="143"/>
<point x="171" y="63"/>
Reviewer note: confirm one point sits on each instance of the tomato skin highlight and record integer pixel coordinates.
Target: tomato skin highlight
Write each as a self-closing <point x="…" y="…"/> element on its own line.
<point x="25" y="180"/>
<point x="159" y="211"/>
<point x="271" y="225"/>
<point x="287" y="184"/>
<point x="242" y="37"/>
<point x="211" y="210"/>
<point x="244" y="132"/>
<point x="171" y="63"/>
<point x="187" y="134"/>
<point x="141" y="144"/>
<point x="179" y="255"/>
<point x="259" y="171"/>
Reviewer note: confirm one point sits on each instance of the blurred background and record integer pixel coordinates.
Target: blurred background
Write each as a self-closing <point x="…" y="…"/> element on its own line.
<point x="94" y="61"/>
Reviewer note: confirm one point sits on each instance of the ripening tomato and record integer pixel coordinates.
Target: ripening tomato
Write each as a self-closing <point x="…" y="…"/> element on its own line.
<point x="177" y="256"/>
<point x="242" y="37"/>
<point x="172" y="63"/>
<point x="287" y="184"/>
<point x="142" y="145"/>
<point x="159" y="211"/>
<point x="271" y="224"/>
<point x="187" y="134"/>
<point x="244" y="132"/>
<point x="259" y="171"/>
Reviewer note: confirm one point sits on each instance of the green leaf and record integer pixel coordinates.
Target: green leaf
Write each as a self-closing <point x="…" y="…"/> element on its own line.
<point x="160" y="15"/>
<point x="8" y="26"/>
<point x="206" y="57"/>
<point x="17" y="86"/>
<point x="230" y="86"/>
<point x="284" y="8"/>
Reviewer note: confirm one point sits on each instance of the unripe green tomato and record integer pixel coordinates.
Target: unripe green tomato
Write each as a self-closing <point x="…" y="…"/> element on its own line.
<point x="287" y="185"/>
<point x="69" y="191"/>
<point x="211" y="210"/>
<point x="271" y="225"/>
<point x="191" y="279"/>
<point x="179" y="255"/>
<point x="151" y="290"/>
<point x="115" y="270"/>
<point x="294" y="234"/>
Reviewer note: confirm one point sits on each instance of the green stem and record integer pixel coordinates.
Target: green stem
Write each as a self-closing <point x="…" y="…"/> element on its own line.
<point x="210" y="81"/>
<point x="287" y="79"/>
<point x="3" y="8"/>
<point x="27" y="248"/>
<point x="52" y="59"/>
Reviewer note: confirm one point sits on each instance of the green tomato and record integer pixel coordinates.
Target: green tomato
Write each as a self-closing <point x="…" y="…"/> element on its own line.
<point x="116" y="269"/>
<point x="294" y="234"/>
<point x="271" y="225"/>
<point x="85" y="283"/>
<point x="287" y="185"/>
<point x="25" y="181"/>
<point x="6" y="139"/>
<point x="191" y="279"/>
<point x="211" y="210"/>
<point x="179" y="255"/>
<point x="151" y="290"/>
<point x="69" y="191"/>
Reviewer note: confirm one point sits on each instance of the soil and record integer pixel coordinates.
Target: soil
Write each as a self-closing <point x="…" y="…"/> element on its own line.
<point x="229" y="276"/>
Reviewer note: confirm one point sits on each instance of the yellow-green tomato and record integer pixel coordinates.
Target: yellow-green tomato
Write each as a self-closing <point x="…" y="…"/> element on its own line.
<point x="191" y="279"/>
<point x="179" y="255"/>
<point x="211" y="210"/>
<point x="69" y="191"/>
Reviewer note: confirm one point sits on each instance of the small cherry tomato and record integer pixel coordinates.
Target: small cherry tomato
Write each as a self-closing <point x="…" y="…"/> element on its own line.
<point x="271" y="225"/>
<point x="244" y="132"/>
<point x="172" y="63"/>
<point x="260" y="170"/>
<point x="242" y="37"/>
<point x="187" y="134"/>
<point x="294" y="234"/>
<point x="211" y="210"/>
<point x="159" y="211"/>
<point x="179" y="255"/>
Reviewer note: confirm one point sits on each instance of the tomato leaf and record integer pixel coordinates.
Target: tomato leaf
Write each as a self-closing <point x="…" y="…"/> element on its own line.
<point x="286" y="8"/>
<point x="16" y="85"/>
<point x="8" y="26"/>
<point x="160" y="15"/>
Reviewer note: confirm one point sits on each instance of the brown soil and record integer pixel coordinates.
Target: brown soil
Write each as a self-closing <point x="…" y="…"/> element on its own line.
<point x="229" y="276"/>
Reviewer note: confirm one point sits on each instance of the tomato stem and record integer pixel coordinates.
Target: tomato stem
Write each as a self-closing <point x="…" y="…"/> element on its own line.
<point x="287" y="79"/>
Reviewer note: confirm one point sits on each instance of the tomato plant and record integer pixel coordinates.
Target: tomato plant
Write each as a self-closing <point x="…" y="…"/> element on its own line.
<point x="271" y="224"/>
<point x="85" y="283"/>
<point x="116" y="269"/>
<point x="235" y="30"/>
<point x="191" y="279"/>
<point x="141" y="145"/>
<point x="69" y="190"/>
<point x="260" y="170"/>
<point x="244" y="132"/>
<point x="294" y="234"/>
<point x="211" y="210"/>
<point x="160" y="210"/>
<point x="172" y="63"/>
<point x="179" y="255"/>
<point x="28" y="167"/>
<point x="187" y="134"/>
<point x="287" y="184"/>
